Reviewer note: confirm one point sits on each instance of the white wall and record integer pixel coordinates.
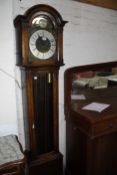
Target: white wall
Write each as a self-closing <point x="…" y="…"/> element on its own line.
<point x="89" y="37"/>
<point x="8" y="115"/>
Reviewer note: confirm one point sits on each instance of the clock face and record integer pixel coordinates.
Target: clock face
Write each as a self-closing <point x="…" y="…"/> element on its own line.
<point x="42" y="44"/>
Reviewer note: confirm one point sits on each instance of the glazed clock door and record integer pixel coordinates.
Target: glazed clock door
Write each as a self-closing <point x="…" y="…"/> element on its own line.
<point x="43" y="111"/>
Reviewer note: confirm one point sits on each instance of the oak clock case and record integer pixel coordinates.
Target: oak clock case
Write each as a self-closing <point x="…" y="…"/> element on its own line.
<point x="39" y="42"/>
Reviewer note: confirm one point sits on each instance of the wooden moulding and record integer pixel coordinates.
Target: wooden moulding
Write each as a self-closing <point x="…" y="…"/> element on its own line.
<point x="111" y="4"/>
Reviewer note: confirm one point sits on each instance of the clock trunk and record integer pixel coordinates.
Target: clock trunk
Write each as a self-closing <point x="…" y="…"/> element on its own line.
<point x="40" y="106"/>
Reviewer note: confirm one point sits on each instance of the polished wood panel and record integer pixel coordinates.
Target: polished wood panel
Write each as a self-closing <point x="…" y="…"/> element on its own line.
<point x="112" y="4"/>
<point x="91" y="137"/>
<point x="87" y="156"/>
<point x="48" y="164"/>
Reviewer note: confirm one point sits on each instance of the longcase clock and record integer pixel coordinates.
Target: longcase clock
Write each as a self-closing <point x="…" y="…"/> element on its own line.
<point x="39" y="34"/>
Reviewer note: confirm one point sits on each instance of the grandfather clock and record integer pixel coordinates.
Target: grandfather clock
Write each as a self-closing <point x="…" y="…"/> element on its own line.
<point x="39" y="35"/>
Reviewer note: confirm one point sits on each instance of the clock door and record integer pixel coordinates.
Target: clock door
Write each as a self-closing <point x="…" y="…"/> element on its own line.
<point x="43" y="111"/>
<point x="42" y="93"/>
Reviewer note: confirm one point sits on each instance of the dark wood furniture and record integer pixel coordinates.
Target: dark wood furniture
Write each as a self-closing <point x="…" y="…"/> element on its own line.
<point x="39" y="34"/>
<point x="111" y="4"/>
<point x="12" y="159"/>
<point x="91" y="137"/>
<point x="13" y="168"/>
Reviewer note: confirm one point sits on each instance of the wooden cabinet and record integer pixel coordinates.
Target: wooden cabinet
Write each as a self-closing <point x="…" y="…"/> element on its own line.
<point x="86" y="155"/>
<point x="91" y="137"/>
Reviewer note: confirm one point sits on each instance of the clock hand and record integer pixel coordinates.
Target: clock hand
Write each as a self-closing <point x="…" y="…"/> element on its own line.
<point x="44" y="37"/>
<point x="43" y="33"/>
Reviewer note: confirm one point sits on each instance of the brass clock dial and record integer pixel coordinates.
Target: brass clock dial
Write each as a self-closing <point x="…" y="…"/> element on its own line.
<point x="42" y="44"/>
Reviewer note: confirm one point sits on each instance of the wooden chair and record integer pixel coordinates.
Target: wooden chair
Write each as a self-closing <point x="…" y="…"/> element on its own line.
<point x="12" y="159"/>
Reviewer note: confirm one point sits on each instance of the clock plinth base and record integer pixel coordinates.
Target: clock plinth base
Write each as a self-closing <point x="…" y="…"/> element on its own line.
<point x="52" y="164"/>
